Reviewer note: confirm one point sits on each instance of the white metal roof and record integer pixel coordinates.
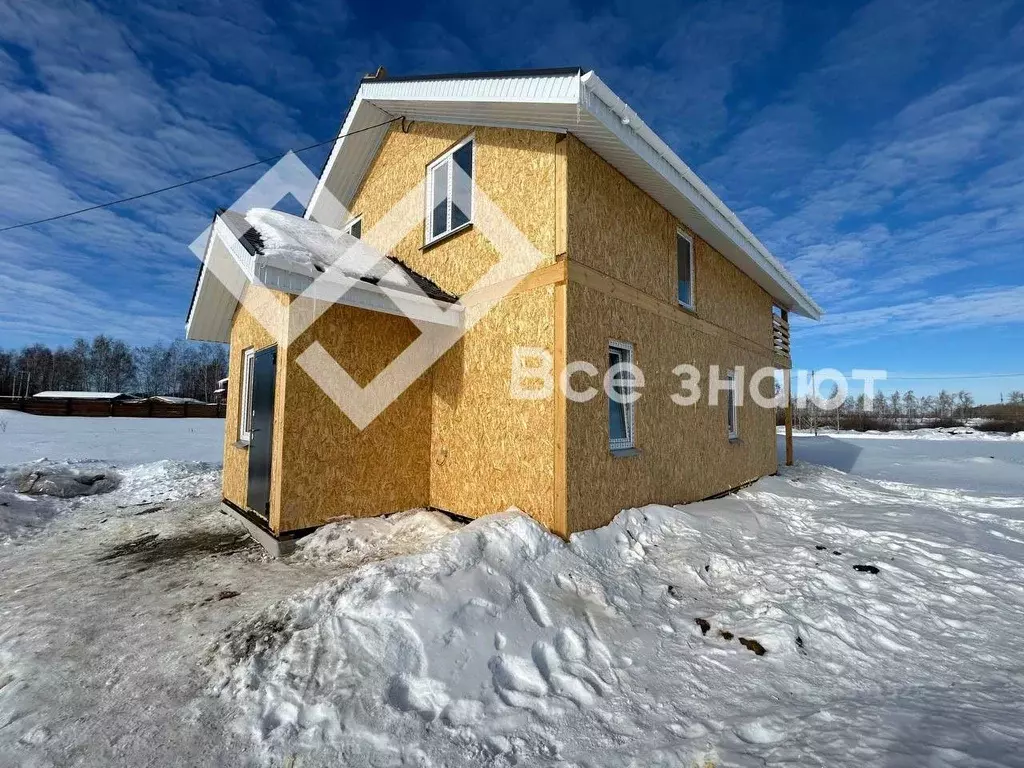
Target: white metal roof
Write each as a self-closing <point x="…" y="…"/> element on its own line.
<point x="565" y="101"/>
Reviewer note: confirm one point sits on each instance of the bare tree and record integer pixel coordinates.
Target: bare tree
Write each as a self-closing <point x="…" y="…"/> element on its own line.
<point x="910" y="405"/>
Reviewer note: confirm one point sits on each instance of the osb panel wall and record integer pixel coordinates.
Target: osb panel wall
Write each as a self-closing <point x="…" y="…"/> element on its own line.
<point x="615" y="227"/>
<point x="619" y="230"/>
<point x="685" y="453"/>
<point x="723" y="295"/>
<point x="490" y="451"/>
<point x="330" y="468"/>
<point x="248" y="332"/>
<point x="515" y="168"/>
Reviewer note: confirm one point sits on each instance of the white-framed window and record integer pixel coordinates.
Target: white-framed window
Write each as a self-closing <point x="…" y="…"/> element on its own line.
<point x="450" y="191"/>
<point x="245" y="414"/>
<point x="684" y="269"/>
<point x="732" y="410"/>
<point x="621" y="416"/>
<point x="355" y="228"/>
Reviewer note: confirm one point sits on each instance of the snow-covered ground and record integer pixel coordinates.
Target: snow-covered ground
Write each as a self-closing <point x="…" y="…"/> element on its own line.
<point x="24" y="437"/>
<point x="976" y="463"/>
<point x="141" y="627"/>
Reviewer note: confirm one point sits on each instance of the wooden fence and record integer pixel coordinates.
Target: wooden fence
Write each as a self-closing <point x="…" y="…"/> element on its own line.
<point x="75" y="406"/>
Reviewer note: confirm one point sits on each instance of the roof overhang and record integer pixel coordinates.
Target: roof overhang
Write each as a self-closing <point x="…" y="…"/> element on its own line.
<point x="229" y="268"/>
<point x="562" y="101"/>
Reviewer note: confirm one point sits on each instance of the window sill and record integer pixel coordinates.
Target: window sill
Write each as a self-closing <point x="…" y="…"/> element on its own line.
<point x="446" y="236"/>
<point x="240" y="444"/>
<point x="735" y="441"/>
<point x="687" y="308"/>
<point x="624" y="453"/>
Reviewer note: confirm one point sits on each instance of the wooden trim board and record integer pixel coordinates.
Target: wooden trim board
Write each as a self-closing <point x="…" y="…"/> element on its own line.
<point x="560" y="502"/>
<point x="592" y="278"/>
<point x="539" y="278"/>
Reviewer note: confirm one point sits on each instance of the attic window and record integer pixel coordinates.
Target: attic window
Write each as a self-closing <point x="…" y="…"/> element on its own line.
<point x="355" y="228"/>
<point x="450" y="191"/>
<point x="684" y="269"/>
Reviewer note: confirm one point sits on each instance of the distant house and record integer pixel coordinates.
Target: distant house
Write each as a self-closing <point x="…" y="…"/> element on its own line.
<point x="58" y="395"/>
<point x="639" y="263"/>
<point x="220" y="394"/>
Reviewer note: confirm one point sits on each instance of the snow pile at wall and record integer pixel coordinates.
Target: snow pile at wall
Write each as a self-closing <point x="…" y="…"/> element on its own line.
<point x="1017" y="436"/>
<point x="354" y="541"/>
<point x="813" y="619"/>
<point x="298" y="244"/>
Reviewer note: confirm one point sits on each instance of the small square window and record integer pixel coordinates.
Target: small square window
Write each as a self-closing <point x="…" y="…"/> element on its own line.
<point x="621" y="424"/>
<point x="450" y="191"/>
<point x="684" y="269"/>
<point x="245" y="413"/>
<point x="732" y="410"/>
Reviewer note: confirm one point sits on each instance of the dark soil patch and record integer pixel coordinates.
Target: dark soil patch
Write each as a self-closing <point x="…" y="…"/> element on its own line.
<point x="153" y="549"/>
<point x="704" y="625"/>
<point x="866" y="569"/>
<point x="726" y="634"/>
<point x="753" y="645"/>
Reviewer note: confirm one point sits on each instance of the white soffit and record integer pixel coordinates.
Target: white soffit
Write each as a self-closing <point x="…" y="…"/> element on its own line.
<point x="559" y="101"/>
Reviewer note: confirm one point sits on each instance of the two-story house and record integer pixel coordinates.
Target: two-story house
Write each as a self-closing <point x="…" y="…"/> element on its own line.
<point x="531" y="219"/>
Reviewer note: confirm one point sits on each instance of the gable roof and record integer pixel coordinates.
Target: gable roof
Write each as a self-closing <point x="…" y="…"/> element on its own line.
<point x="562" y="101"/>
<point x="298" y="256"/>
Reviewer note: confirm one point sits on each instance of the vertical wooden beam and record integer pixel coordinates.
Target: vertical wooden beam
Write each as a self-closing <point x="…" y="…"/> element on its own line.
<point x="560" y="500"/>
<point x="560" y="495"/>
<point x="787" y="376"/>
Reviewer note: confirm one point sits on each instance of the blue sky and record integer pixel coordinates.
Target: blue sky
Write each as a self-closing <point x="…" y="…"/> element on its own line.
<point x="877" y="148"/>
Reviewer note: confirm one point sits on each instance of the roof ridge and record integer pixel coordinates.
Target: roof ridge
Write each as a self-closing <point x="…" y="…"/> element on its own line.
<point x="482" y="75"/>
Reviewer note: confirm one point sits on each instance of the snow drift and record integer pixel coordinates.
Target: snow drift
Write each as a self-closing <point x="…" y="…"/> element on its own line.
<point x="353" y="541"/>
<point x="887" y="617"/>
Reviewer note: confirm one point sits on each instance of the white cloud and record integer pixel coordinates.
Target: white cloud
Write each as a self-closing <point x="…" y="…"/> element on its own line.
<point x="987" y="308"/>
<point x="932" y="188"/>
<point x="90" y="120"/>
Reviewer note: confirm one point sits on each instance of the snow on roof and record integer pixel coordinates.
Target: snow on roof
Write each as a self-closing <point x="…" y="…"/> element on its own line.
<point x="303" y="247"/>
<point x="302" y="257"/>
<point x="81" y="395"/>
<point x="176" y="400"/>
<point x="300" y="245"/>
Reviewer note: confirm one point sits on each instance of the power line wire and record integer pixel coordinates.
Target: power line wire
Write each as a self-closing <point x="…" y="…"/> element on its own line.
<point x="954" y="377"/>
<point x="181" y="184"/>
